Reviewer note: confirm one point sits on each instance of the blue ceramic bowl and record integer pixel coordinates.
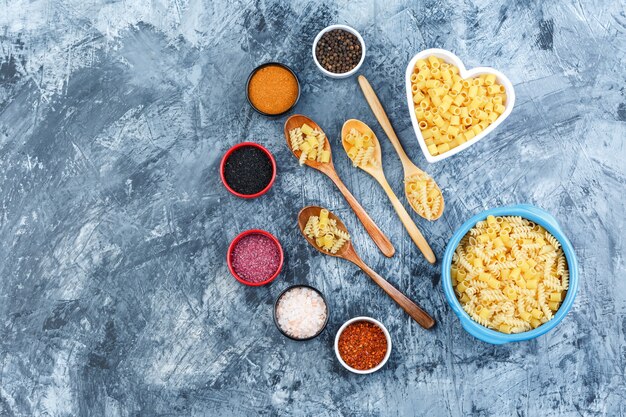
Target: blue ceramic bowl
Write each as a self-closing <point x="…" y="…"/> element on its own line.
<point x="541" y="218"/>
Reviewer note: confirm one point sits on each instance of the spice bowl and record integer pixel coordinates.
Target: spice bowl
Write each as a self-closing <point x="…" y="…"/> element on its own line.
<point x="271" y="89"/>
<point x="334" y="74"/>
<point x="255" y="174"/>
<point x="310" y="308"/>
<point x="251" y="253"/>
<point x="367" y="320"/>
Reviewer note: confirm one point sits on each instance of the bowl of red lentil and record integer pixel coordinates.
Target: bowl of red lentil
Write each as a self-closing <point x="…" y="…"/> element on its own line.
<point x="273" y="89"/>
<point x="255" y="257"/>
<point x="363" y="345"/>
<point x="338" y="51"/>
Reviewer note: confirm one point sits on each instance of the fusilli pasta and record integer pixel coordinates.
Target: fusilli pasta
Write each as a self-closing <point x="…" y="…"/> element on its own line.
<point x="509" y="274"/>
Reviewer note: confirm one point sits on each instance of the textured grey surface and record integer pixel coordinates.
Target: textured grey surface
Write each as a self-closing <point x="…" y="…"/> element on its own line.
<point x="114" y="294"/>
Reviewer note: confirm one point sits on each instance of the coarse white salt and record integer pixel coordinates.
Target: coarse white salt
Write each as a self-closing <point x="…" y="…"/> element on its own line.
<point x="301" y="312"/>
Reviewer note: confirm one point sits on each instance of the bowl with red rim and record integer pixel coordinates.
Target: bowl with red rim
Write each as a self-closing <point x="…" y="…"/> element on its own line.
<point x="244" y="257"/>
<point x="228" y="155"/>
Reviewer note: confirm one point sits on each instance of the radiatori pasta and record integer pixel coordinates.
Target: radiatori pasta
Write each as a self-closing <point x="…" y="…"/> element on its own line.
<point x="324" y="230"/>
<point x="311" y="143"/>
<point x="360" y="148"/>
<point x="424" y="195"/>
<point x="452" y="110"/>
<point x="509" y="274"/>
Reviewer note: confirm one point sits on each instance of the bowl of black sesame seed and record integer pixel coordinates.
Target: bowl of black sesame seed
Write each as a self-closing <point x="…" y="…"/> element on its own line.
<point x="248" y="170"/>
<point x="338" y="51"/>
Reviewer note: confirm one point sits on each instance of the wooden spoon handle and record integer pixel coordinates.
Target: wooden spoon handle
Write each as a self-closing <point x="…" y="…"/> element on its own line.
<point x="379" y="238"/>
<point x="413" y="310"/>
<point x="381" y="116"/>
<point x="408" y="223"/>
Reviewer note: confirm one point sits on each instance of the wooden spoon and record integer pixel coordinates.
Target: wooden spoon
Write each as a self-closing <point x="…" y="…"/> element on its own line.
<point x="376" y="171"/>
<point x="409" y="167"/>
<point x="379" y="238"/>
<point x="347" y="252"/>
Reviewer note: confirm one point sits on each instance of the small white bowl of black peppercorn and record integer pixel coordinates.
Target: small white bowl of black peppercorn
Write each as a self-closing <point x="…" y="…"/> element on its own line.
<point x="338" y="51"/>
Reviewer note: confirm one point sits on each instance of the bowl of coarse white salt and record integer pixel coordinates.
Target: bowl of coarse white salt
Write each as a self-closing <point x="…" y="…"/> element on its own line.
<point x="301" y="312"/>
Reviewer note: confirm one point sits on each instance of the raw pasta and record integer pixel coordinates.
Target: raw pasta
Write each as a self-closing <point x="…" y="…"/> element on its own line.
<point x="311" y="143"/>
<point x="360" y="149"/>
<point x="424" y="195"/>
<point x="325" y="232"/>
<point x="452" y="110"/>
<point x="509" y="274"/>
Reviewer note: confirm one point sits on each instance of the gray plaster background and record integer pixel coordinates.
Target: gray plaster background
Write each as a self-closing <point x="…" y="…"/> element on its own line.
<point x="114" y="294"/>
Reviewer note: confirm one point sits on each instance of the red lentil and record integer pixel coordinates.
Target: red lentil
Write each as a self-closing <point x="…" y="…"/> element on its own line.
<point x="362" y="345"/>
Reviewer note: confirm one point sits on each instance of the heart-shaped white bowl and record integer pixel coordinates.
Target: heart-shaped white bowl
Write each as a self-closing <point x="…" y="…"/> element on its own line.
<point x="450" y="58"/>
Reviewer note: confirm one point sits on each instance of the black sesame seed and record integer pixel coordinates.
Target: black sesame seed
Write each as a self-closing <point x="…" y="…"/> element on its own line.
<point x="248" y="170"/>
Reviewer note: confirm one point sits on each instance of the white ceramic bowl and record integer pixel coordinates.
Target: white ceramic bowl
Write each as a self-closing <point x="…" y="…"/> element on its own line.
<point x="385" y="359"/>
<point x="347" y="29"/>
<point x="450" y="58"/>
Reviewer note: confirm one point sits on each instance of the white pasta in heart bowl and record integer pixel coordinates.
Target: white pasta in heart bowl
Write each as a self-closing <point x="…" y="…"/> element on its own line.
<point x="451" y="107"/>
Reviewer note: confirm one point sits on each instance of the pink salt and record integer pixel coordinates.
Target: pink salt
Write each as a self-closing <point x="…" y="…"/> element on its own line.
<point x="255" y="258"/>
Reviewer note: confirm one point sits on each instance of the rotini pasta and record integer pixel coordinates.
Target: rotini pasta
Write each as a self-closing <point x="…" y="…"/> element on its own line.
<point x="424" y="195"/>
<point x="509" y="274"/>
<point x="311" y="143"/>
<point x="324" y="231"/>
<point x="296" y="138"/>
<point x="360" y="149"/>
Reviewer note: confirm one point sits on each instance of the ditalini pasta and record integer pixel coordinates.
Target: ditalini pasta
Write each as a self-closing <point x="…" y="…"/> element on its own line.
<point x="452" y="110"/>
<point x="509" y="274"/>
<point x="324" y="230"/>
<point x="360" y="149"/>
<point x="424" y="195"/>
<point x="310" y="142"/>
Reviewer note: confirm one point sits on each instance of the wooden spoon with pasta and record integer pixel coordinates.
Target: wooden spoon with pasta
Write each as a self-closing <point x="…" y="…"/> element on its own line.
<point x="366" y="154"/>
<point x="421" y="190"/>
<point x="296" y="122"/>
<point x="346" y="251"/>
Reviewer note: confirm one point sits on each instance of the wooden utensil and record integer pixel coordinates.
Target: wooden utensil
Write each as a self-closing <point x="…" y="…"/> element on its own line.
<point x="379" y="238"/>
<point x="409" y="167"/>
<point x="347" y="252"/>
<point x="376" y="171"/>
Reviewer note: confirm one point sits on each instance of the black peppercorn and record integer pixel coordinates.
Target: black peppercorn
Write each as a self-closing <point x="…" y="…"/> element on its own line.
<point x="338" y="51"/>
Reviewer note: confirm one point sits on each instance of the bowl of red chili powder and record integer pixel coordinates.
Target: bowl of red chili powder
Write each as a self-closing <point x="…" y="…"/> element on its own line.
<point x="255" y="257"/>
<point x="363" y="345"/>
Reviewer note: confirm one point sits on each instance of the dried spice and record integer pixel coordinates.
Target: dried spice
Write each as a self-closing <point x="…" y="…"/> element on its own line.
<point x="248" y="170"/>
<point x="362" y="345"/>
<point x="255" y="258"/>
<point x="338" y="51"/>
<point x="273" y="89"/>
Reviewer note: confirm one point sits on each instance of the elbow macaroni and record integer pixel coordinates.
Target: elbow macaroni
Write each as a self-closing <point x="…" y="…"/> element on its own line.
<point x="509" y="274"/>
<point x="452" y="110"/>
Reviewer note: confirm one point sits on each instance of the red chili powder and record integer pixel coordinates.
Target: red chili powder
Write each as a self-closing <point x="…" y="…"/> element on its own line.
<point x="362" y="345"/>
<point x="255" y="258"/>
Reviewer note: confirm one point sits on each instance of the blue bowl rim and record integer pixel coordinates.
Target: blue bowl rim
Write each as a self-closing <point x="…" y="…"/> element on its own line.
<point x="544" y="219"/>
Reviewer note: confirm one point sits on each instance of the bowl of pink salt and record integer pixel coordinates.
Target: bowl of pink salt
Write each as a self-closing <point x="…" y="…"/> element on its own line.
<point x="255" y="257"/>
